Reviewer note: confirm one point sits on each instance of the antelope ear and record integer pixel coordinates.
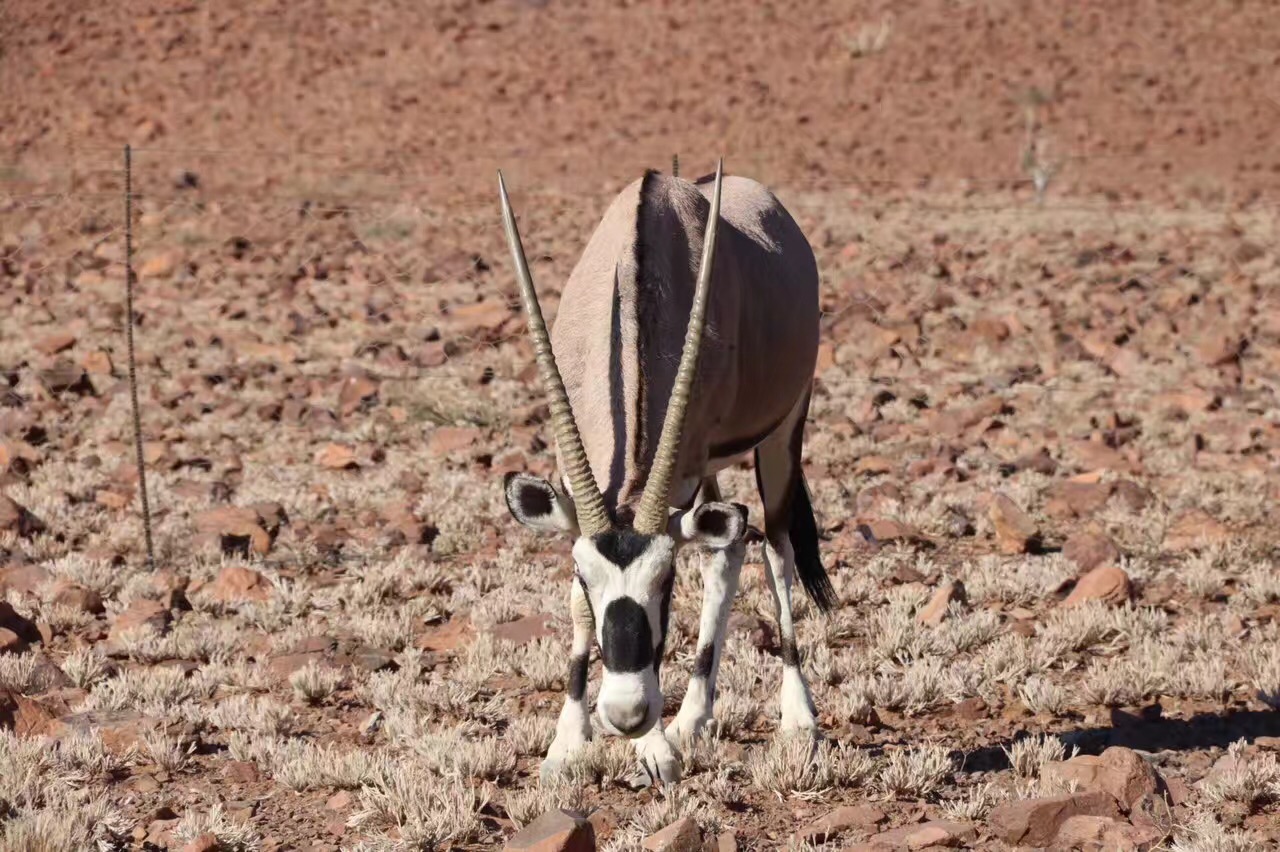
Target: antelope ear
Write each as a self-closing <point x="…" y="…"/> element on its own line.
<point x="534" y="503"/>
<point x="715" y="526"/>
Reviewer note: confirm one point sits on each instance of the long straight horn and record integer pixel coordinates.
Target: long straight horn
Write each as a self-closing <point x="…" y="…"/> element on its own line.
<point x="589" y="504"/>
<point x="651" y="516"/>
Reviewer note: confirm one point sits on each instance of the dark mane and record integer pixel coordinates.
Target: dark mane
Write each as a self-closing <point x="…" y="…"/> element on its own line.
<point x="645" y="313"/>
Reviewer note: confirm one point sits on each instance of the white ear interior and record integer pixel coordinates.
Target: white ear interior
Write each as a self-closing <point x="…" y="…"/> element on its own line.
<point x="537" y="505"/>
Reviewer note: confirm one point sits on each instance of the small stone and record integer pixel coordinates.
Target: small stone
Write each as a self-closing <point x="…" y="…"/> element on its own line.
<point x="98" y="364"/>
<point x="21" y="626"/>
<point x="77" y="597"/>
<point x="1090" y="549"/>
<point x="1134" y="497"/>
<point x="52" y="344"/>
<point x="524" y="630"/>
<point x="683" y="835"/>
<point x="238" y="584"/>
<point x="240" y="771"/>
<point x="452" y="440"/>
<point x="1189" y="531"/>
<point x="142" y="613"/>
<point x="337" y="457"/>
<point x="207" y="842"/>
<point x="357" y="392"/>
<point x="24" y="716"/>
<point x="239" y="531"/>
<point x="554" y="831"/>
<point x="1035" y="822"/>
<point x="1074" y="499"/>
<point x="727" y="842"/>
<point x="934" y="834"/>
<point x="158" y="266"/>
<point x="840" y="821"/>
<point x="936" y="610"/>
<point x="1015" y="531"/>
<point x="15" y="519"/>
<point x="1107" y="583"/>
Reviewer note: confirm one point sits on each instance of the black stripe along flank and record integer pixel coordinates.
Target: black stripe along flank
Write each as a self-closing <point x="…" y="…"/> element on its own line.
<point x="626" y="642"/>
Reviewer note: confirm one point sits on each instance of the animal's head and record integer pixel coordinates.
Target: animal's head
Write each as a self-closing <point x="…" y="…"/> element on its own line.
<point x="625" y="569"/>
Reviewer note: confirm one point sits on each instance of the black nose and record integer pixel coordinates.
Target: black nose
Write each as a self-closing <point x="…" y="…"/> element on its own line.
<point x="628" y="721"/>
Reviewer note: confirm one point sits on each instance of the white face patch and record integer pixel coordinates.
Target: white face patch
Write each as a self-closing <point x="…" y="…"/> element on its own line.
<point x="628" y="580"/>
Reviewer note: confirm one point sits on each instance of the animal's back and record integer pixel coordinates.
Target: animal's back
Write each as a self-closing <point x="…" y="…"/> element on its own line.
<point x="625" y="309"/>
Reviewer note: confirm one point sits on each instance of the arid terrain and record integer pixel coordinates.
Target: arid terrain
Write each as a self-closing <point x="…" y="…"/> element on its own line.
<point x="1043" y="445"/>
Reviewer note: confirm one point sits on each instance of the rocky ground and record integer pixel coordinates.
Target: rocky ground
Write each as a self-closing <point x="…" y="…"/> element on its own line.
<point x="1042" y="447"/>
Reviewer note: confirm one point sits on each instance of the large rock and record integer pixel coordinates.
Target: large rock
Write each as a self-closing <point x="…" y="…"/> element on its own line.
<point x="1035" y="822"/>
<point x="554" y="831"/>
<point x="683" y="835"/>
<point x="839" y="821"/>
<point x="22" y="627"/>
<point x="1104" y="834"/>
<point x="25" y="716"/>
<point x="1195" y="529"/>
<point x="142" y="613"/>
<point x="1074" y="499"/>
<point x="1119" y="771"/>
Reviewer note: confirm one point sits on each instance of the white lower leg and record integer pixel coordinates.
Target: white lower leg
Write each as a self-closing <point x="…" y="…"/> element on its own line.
<point x="573" y="728"/>
<point x="721" y="571"/>
<point x="797" y="705"/>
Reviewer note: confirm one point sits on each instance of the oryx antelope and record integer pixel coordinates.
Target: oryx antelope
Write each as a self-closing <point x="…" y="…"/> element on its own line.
<point x="661" y="372"/>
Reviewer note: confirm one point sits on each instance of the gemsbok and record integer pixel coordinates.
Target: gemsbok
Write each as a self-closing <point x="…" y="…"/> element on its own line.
<point x="686" y="336"/>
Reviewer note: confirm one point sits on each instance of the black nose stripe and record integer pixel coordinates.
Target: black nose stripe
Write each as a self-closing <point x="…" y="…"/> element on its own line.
<point x="626" y="641"/>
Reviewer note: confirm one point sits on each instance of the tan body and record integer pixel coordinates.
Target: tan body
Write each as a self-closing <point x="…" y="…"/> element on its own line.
<point x="618" y="339"/>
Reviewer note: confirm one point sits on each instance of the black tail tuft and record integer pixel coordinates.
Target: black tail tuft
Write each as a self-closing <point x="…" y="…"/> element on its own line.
<point x="804" y="543"/>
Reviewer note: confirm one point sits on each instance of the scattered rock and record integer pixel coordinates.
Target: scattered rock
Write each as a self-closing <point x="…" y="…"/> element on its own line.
<point x="23" y="628"/>
<point x="1035" y="822"/>
<point x="1189" y="531"/>
<point x="554" y="831"/>
<point x="1015" y="531"/>
<point x="1088" y="550"/>
<point x="17" y="520"/>
<point x="524" y="630"/>
<point x="142" y="613"/>
<point x="237" y="584"/>
<point x="357" y="392"/>
<point x="1134" y="497"/>
<point x="1107" y="583"/>
<point x="207" y="842"/>
<point x="452" y="440"/>
<point x="1073" y="499"/>
<point x="683" y="835"/>
<point x="337" y="457"/>
<point x="66" y="377"/>
<point x="25" y="716"/>
<point x="935" y="611"/>
<point x="77" y="597"/>
<point x="1118" y="771"/>
<point x="239" y="531"/>
<point x="840" y="821"/>
<point x="52" y="344"/>
<point x="935" y="834"/>
<point x="339" y="801"/>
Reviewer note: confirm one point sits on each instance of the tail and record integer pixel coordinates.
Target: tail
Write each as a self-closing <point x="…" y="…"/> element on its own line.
<point x="803" y="530"/>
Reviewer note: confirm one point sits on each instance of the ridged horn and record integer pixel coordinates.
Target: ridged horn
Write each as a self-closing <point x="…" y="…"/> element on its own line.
<point x="651" y="516"/>
<point x="589" y="504"/>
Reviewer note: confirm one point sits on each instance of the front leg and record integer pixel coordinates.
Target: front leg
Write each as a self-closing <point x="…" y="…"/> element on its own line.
<point x="658" y="756"/>
<point x="721" y="570"/>
<point x="573" y="730"/>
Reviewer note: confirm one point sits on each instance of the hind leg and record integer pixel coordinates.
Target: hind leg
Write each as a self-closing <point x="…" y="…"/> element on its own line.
<point x="781" y="483"/>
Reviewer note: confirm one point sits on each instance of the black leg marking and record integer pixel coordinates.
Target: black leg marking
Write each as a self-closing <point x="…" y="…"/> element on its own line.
<point x="790" y="656"/>
<point x="667" y="589"/>
<point x="702" y="664"/>
<point x="578" y="677"/>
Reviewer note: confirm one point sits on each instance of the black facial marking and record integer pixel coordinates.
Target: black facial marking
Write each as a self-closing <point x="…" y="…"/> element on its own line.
<point x="702" y="663"/>
<point x="578" y="677"/>
<point x="626" y="641"/>
<point x="667" y="587"/>
<point x="790" y="656"/>
<point x="621" y="546"/>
